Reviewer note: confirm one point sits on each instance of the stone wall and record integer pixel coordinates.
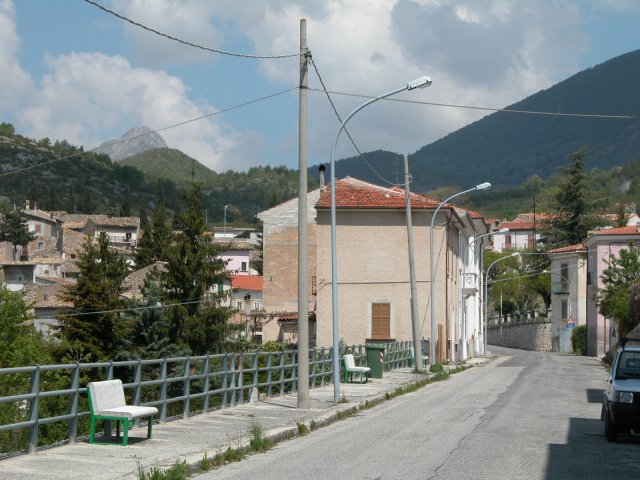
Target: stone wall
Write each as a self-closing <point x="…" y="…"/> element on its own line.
<point x="535" y="335"/>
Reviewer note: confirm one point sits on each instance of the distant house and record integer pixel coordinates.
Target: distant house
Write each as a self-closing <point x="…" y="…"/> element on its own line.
<point x="602" y="245"/>
<point x="47" y="304"/>
<point x="246" y="298"/>
<point x="47" y="231"/>
<point x="122" y="232"/>
<point x="238" y="255"/>
<point x="568" y="271"/>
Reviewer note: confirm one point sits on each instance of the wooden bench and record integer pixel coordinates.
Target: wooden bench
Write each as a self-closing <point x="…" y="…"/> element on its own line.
<point x="106" y="402"/>
<point x="350" y="368"/>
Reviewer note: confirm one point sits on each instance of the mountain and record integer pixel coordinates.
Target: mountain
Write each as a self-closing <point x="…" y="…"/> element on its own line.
<point x="171" y="164"/>
<point x="134" y="141"/>
<point x="507" y="148"/>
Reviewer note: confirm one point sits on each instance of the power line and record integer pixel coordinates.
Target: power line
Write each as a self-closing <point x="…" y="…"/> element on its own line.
<point x="488" y="109"/>
<point x="121" y="141"/>
<point x="362" y="155"/>
<point x="185" y="42"/>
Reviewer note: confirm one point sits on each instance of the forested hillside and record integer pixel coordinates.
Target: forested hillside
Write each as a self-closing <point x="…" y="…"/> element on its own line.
<point x="507" y="148"/>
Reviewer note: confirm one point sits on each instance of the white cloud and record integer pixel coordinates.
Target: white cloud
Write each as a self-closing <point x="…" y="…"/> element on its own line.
<point x="14" y="81"/>
<point x="485" y="52"/>
<point x="86" y="94"/>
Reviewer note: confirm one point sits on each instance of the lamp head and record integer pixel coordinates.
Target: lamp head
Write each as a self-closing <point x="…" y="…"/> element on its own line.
<point x="503" y="230"/>
<point x="483" y="186"/>
<point x="515" y="254"/>
<point x="421" y="82"/>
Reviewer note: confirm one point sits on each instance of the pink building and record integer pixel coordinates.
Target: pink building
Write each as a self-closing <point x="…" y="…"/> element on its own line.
<point x="602" y="245"/>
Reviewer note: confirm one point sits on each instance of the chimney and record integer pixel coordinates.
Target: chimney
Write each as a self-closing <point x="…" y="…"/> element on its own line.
<point x="321" y="170"/>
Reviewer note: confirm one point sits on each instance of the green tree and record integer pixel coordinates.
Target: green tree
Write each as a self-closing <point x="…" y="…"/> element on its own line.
<point x="52" y="201"/>
<point x="154" y="244"/>
<point x="13" y="229"/>
<point x="32" y="196"/>
<point x="194" y="269"/>
<point x="125" y="209"/>
<point x="615" y="299"/>
<point x="70" y="201"/>
<point x="573" y="212"/>
<point x="20" y="346"/>
<point x="257" y="263"/>
<point x="7" y="130"/>
<point x="95" y="325"/>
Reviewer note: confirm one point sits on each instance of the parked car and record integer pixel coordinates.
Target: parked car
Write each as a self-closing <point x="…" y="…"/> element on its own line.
<point x="621" y="402"/>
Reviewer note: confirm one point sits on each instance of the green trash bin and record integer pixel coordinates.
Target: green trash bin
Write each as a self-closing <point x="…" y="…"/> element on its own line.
<point x="375" y="359"/>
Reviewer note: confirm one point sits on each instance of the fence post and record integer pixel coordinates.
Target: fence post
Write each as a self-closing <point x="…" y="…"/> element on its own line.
<point x="75" y="385"/>
<point x="232" y="387"/>
<point x="186" y="388"/>
<point x="34" y="404"/>
<point x="282" y="378"/>
<point x="163" y="391"/>
<point x="241" y="377"/>
<point x="225" y="380"/>
<point x="205" y="387"/>
<point x="269" y="372"/>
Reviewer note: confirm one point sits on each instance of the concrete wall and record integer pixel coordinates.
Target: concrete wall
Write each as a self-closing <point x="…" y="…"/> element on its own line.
<point x="535" y="335"/>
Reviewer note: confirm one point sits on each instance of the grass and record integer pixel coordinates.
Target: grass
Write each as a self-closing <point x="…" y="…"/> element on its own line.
<point x="302" y="429"/>
<point x="178" y="471"/>
<point x="258" y="442"/>
<point x="313" y="425"/>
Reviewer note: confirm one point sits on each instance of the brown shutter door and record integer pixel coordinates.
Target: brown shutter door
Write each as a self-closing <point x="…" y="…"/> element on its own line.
<point x="380" y="321"/>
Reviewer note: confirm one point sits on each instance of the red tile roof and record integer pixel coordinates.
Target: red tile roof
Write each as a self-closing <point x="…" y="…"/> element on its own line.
<point x="579" y="247"/>
<point x="354" y="193"/>
<point x="518" y="226"/>
<point x="632" y="230"/>
<point x="247" y="282"/>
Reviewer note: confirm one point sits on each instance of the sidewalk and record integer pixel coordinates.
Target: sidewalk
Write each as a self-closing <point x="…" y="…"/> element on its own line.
<point x="188" y="440"/>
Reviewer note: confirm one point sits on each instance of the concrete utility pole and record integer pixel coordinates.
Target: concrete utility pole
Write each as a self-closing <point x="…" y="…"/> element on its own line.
<point x="417" y="348"/>
<point x="303" y="304"/>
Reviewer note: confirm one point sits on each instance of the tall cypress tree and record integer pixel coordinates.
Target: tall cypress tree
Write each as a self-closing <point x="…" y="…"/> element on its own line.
<point x="125" y="208"/>
<point x="194" y="269"/>
<point x="95" y="326"/>
<point x="70" y="201"/>
<point x="573" y="213"/>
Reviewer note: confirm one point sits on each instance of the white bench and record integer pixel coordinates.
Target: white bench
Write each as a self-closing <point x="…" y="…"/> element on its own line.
<point x="106" y="402"/>
<point x="350" y="368"/>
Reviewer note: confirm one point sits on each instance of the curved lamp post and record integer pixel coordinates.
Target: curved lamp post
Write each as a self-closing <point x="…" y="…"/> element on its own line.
<point x="463" y="311"/>
<point x="433" y="339"/>
<point x="486" y="284"/>
<point x="418" y="83"/>
<point x="225" y="221"/>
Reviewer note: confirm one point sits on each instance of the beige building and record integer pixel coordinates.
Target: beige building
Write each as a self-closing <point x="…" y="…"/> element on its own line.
<point x="373" y="266"/>
<point x="568" y="271"/>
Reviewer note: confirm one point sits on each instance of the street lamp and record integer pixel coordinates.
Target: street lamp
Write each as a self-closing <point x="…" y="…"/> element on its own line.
<point x="433" y="338"/>
<point x="417" y="83"/>
<point x="225" y="221"/>
<point x="463" y="311"/>
<point x="486" y="284"/>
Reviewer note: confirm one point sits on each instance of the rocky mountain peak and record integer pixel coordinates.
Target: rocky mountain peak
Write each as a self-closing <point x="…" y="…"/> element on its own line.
<point x="134" y="141"/>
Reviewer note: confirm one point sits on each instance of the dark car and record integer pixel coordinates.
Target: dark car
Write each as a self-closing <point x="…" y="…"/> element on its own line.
<point x="621" y="402"/>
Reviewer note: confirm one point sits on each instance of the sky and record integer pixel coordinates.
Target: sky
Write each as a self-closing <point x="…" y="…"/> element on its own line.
<point x="72" y="71"/>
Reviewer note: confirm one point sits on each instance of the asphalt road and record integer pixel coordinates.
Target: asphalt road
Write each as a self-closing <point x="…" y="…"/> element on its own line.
<point x="525" y="415"/>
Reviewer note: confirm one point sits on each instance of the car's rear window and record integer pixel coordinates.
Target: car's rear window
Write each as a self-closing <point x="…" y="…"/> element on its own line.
<point x="628" y="365"/>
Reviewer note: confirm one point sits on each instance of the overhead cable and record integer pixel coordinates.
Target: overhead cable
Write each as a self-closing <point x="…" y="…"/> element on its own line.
<point x="121" y="141"/>
<point x="362" y="155"/>
<point x="185" y="42"/>
<point x="488" y="109"/>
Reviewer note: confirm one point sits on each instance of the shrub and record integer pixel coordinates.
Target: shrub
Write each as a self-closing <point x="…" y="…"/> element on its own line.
<point x="579" y="340"/>
<point x="436" y="368"/>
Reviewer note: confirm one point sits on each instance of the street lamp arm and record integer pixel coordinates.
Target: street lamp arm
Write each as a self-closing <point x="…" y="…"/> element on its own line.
<point x="418" y="83"/>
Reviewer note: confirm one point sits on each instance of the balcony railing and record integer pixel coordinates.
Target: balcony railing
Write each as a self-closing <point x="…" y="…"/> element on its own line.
<point x="560" y="288"/>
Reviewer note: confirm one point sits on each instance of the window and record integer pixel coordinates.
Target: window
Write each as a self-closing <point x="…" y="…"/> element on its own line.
<point x="40" y="245"/>
<point x="220" y="288"/>
<point x="239" y="304"/>
<point x="243" y="267"/>
<point x="564" y="276"/>
<point x="380" y="321"/>
<point x="507" y="241"/>
<point x="564" y="309"/>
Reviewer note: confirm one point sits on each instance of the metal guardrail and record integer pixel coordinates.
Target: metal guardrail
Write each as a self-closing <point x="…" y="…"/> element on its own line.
<point x="178" y="387"/>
